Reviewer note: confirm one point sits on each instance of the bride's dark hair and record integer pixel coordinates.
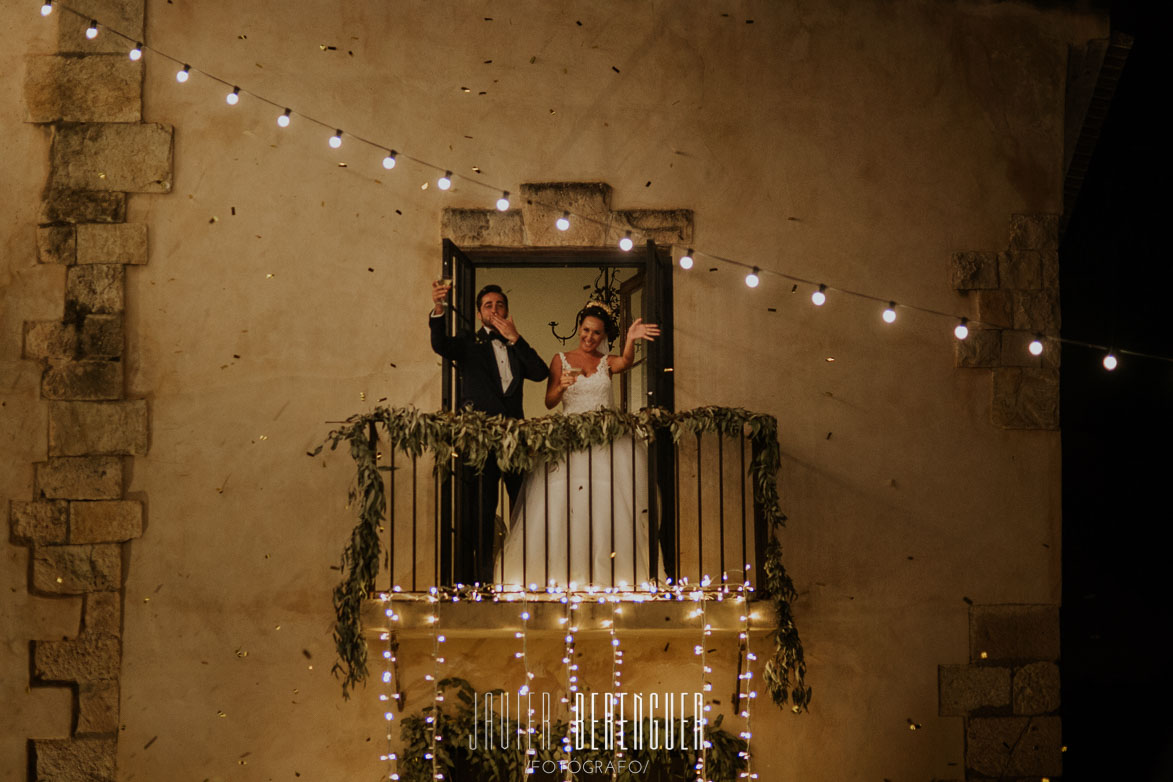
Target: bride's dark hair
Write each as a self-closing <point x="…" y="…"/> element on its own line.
<point x="596" y="310"/>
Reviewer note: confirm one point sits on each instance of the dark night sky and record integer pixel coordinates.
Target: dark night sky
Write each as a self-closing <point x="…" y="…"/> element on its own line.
<point x="1117" y="431"/>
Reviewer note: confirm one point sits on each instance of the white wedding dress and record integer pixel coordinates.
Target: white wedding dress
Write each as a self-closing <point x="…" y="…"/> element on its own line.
<point x="591" y="505"/>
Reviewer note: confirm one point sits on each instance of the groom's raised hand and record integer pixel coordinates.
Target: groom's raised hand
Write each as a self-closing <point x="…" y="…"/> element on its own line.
<point x="504" y="327"/>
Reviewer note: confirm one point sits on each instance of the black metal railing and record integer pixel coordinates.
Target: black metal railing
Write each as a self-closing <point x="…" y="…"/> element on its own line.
<point x="614" y="516"/>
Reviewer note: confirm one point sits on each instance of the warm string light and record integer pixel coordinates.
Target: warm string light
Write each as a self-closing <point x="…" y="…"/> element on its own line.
<point x="524" y="690"/>
<point x="390" y="661"/>
<point x="616" y="676"/>
<point x="1110" y="362"/>
<point x="701" y="650"/>
<point x="753" y="278"/>
<point x="889" y="314"/>
<point x="625" y="244"/>
<point x="503" y="202"/>
<point x="437" y="697"/>
<point x="233" y="97"/>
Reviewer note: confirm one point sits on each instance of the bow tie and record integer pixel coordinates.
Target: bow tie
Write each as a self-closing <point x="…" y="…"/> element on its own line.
<point x="487" y="335"/>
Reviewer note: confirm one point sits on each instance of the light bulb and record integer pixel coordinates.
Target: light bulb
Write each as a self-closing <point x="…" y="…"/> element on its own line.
<point x="336" y="139"/>
<point x="445" y="181"/>
<point x="183" y="73"/>
<point x="233" y="97"/>
<point x="563" y="222"/>
<point x="47" y="8"/>
<point x="283" y="120"/>
<point x="136" y="53"/>
<point x="962" y="330"/>
<point x="389" y="161"/>
<point x="889" y="315"/>
<point x="752" y="279"/>
<point x="819" y="297"/>
<point x="625" y="244"/>
<point x="1110" y="362"/>
<point x="686" y="260"/>
<point x="92" y="30"/>
<point x="1036" y="346"/>
<point x="503" y="202"/>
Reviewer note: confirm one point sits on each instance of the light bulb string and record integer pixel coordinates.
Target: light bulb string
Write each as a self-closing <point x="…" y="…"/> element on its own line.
<point x="606" y="224"/>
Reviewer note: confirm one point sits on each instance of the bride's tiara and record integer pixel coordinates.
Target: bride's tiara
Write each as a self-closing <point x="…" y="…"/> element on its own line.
<point x="600" y="305"/>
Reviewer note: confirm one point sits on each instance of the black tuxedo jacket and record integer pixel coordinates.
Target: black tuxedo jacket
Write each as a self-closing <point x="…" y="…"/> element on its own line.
<point x="480" y="380"/>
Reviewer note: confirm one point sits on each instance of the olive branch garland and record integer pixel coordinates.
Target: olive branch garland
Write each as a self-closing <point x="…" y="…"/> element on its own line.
<point x="519" y="445"/>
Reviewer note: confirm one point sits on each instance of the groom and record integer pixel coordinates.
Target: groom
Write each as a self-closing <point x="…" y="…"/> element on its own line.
<point x="494" y="363"/>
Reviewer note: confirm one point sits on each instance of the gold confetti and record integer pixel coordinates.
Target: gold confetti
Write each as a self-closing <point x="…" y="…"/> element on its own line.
<point x="269" y="276"/>
<point x="60" y="580"/>
<point x="278" y="627"/>
<point x="146" y="599"/>
<point x="362" y="395"/>
<point x="220" y="714"/>
<point x="983" y="655"/>
<point x="263" y="437"/>
<point x="424" y="186"/>
<point x="101" y="176"/>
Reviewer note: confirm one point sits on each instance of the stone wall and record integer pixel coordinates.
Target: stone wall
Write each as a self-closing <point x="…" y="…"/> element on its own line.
<point x="1016" y="298"/>
<point x="1008" y="693"/>
<point x="81" y="515"/>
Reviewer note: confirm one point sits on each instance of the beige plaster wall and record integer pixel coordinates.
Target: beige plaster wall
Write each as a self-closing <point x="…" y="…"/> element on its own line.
<point x="856" y="143"/>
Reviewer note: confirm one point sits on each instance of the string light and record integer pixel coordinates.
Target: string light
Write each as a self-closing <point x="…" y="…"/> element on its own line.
<point x="1036" y="345"/>
<point x="503" y="202"/>
<point x="336" y="139"/>
<point x="752" y="279"/>
<point x="389" y="161"/>
<point x="390" y="666"/>
<point x="890" y="312"/>
<point x="563" y="223"/>
<point x="233" y="97"/>
<point x="445" y="181"/>
<point x="625" y="244"/>
<point x="746" y="694"/>
<point x="1110" y="362"/>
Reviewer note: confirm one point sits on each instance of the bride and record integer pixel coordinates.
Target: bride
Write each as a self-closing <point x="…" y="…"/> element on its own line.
<point x="583" y="520"/>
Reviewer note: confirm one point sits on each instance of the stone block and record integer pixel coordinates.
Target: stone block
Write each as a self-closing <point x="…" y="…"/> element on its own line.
<point x="38" y="522"/>
<point x="102" y="614"/>
<point x="1026" y="398"/>
<point x="75" y="570"/>
<point x="1020" y="269"/>
<point x="112" y="243"/>
<point x="97" y="288"/>
<point x="483" y="227"/>
<point x="1037" y="311"/>
<point x="1049" y="260"/>
<point x="995" y="307"/>
<point x="49" y="339"/>
<point x="1034" y="232"/>
<point x="57" y="244"/>
<point x="125" y="158"/>
<point x="75" y="760"/>
<point x="965" y="688"/>
<point x="88" y="380"/>
<point x="97" y="708"/>
<point x="80" y="478"/>
<point x="1002" y="747"/>
<point x="109" y="521"/>
<point x="101" y="336"/>
<point x="589" y="204"/>
<point x="1016" y="351"/>
<point x="981" y="349"/>
<point x="100" y="88"/>
<point x="1036" y="688"/>
<point x="76" y="660"/>
<point x="84" y="428"/>
<point x="125" y="16"/>
<point x="663" y="226"/>
<point x="83" y="206"/>
<point x="972" y="271"/>
<point x="1014" y="632"/>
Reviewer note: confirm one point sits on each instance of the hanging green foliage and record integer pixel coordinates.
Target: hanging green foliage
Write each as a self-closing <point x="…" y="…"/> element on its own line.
<point x="458" y="719"/>
<point x="519" y="445"/>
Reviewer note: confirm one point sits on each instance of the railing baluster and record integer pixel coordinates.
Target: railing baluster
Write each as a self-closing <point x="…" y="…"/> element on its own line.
<point x="546" y="536"/>
<point x="634" y="525"/>
<point x="569" y="473"/>
<point x="744" y="530"/>
<point x="611" y="539"/>
<point x="676" y="526"/>
<point x="721" y="500"/>
<point x="591" y="516"/>
<point x="391" y="518"/>
<point x="700" y="556"/>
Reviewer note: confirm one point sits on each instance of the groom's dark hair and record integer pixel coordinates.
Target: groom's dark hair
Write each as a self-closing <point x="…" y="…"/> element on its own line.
<point x="492" y="289"/>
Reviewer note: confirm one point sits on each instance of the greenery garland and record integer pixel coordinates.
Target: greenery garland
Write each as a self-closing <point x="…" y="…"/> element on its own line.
<point x="520" y="445"/>
<point x="723" y="759"/>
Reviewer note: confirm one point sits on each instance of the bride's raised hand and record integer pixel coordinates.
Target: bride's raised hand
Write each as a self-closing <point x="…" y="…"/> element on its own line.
<point x="641" y="330"/>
